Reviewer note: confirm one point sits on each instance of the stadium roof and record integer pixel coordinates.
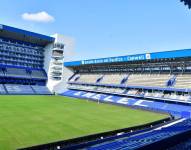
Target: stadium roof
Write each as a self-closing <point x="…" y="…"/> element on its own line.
<point x="137" y="57"/>
<point x="23" y="35"/>
<point x="187" y="2"/>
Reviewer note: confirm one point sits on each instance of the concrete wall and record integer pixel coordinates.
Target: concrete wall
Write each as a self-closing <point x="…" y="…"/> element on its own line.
<point x="59" y="86"/>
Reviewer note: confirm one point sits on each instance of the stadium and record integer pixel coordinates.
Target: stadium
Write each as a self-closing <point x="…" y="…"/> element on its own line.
<point x="139" y="101"/>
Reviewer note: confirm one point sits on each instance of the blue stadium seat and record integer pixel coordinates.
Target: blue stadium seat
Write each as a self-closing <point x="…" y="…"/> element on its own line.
<point x="38" y="74"/>
<point x="16" y="72"/>
<point x="19" y="89"/>
<point x="1" y="73"/>
<point x="21" y="62"/>
<point x="41" y="90"/>
<point x="2" y="89"/>
<point x="144" y="138"/>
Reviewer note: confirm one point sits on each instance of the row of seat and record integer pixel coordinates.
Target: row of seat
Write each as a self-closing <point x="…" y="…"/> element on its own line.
<point x="144" y="138"/>
<point x="135" y="92"/>
<point x="23" y="89"/>
<point x="22" y="73"/>
<point x="22" y="55"/>
<point x="145" y="79"/>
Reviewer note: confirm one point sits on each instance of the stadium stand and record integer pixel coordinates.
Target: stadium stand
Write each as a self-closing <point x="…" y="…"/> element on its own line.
<point x="145" y="85"/>
<point x="146" y="138"/>
<point x="22" y="61"/>
<point x="157" y="80"/>
<point x="151" y="136"/>
<point x="18" y="53"/>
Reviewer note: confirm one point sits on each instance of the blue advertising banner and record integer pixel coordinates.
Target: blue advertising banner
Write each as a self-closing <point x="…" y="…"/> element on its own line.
<point x="147" y="56"/>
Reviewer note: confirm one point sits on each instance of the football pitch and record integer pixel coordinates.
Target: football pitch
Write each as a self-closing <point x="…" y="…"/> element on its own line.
<point x="33" y="120"/>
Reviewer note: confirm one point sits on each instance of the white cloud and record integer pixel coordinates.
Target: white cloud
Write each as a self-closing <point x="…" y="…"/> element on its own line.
<point x="38" y="17"/>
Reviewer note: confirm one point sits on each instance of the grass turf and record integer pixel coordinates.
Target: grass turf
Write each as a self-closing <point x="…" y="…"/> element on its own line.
<point x="32" y="120"/>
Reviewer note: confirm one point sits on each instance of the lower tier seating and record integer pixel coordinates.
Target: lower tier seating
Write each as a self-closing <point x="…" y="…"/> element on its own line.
<point x="41" y="90"/>
<point x="145" y="138"/>
<point x="171" y="96"/>
<point x="23" y="89"/>
<point x="20" y="75"/>
<point x="19" y="89"/>
<point x="2" y="89"/>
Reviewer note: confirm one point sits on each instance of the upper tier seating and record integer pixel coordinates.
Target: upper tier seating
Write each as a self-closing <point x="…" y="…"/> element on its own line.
<point x="16" y="72"/>
<point x="183" y="81"/>
<point x="20" y="54"/>
<point x="19" y="89"/>
<point x="2" y="89"/>
<point x="41" y="90"/>
<point x="157" y="80"/>
<point x="39" y="74"/>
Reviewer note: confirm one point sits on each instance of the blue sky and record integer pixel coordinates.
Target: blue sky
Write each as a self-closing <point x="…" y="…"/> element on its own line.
<point x="103" y="28"/>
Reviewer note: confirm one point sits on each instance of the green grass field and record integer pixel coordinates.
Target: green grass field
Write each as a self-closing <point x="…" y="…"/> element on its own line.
<point x="33" y="120"/>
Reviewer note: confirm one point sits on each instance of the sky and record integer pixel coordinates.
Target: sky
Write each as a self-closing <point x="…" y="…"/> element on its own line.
<point x="105" y="28"/>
